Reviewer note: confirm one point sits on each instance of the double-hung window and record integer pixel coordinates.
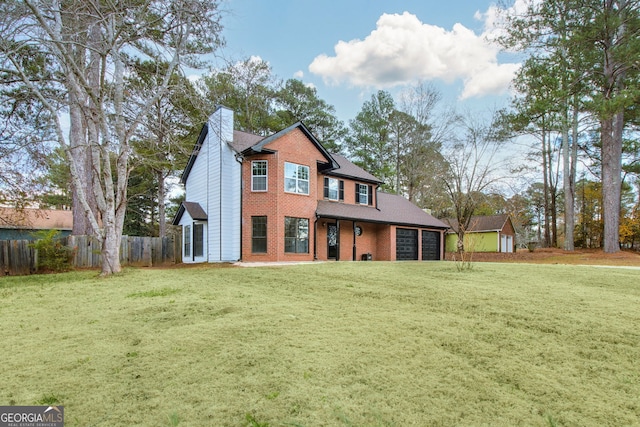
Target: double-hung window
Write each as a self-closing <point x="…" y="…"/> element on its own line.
<point x="296" y="235"/>
<point x="198" y="240"/>
<point x="296" y="178"/>
<point x="259" y="234"/>
<point x="333" y="189"/>
<point x="363" y="195"/>
<point x="259" y="175"/>
<point x="187" y="241"/>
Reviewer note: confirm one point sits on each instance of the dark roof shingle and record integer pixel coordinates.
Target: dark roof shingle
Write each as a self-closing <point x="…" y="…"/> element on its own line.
<point x="194" y="210"/>
<point x="348" y="169"/>
<point x="481" y="223"/>
<point x="391" y="209"/>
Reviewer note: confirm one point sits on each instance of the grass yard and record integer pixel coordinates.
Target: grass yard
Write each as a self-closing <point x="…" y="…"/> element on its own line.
<point x="333" y="344"/>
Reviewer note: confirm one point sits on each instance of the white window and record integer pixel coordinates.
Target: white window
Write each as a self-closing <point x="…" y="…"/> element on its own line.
<point x="296" y="178"/>
<point x="296" y="235"/>
<point x="198" y="240"/>
<point x="332" y="188"/>
<point x="362" y="194"/>
<point x="187" y="241"/>
<point x="259" y="175"/>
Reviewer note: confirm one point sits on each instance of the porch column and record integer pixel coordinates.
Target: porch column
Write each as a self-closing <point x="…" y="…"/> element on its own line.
<point x="354" y="242"/>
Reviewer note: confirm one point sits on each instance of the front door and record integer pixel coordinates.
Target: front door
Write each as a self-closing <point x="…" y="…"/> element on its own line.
<point x="332" y="241"/>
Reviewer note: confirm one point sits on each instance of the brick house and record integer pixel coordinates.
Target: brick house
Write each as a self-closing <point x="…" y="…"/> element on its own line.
<point x="285" y="198"/>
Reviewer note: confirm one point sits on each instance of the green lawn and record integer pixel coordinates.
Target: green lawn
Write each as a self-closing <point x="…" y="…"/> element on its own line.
<point x="332" y="344"/>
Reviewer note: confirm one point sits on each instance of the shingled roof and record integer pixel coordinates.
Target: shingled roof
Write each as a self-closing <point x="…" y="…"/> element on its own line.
<point x="194" y="210"/>
<point x="36" y="219"/>
<point x="481" y="224"/>
<point x="348" y="169"/>
<point x="391" y="209"/>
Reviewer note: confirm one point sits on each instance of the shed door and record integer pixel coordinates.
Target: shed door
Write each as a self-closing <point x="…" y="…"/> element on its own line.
<point x="506" y="243"/>
<point x="430" y="245"/>
<point x="406" y="244"/>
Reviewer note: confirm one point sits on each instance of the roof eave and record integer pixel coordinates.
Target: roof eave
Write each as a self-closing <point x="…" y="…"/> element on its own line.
<point x="194" y="154"/>
<point x="373" y="221"/>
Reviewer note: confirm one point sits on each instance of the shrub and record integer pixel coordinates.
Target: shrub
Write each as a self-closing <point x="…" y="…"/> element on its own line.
<point x="53" y="255"/>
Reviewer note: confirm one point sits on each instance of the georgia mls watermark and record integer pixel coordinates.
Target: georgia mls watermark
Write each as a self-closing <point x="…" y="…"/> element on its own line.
<point x="31" y="416"/>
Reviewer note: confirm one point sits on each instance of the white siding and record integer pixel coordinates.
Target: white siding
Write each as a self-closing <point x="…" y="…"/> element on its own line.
<point x="223" y="207"/>
<point x="215" y="183"/>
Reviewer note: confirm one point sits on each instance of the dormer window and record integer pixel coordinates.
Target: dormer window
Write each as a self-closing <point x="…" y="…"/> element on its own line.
<point x="296" y="178"/>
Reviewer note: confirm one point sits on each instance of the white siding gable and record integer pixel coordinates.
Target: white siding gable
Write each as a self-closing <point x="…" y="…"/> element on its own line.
<point x="215" y="183"/>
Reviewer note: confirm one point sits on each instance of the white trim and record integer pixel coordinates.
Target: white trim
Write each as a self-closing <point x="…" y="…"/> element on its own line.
<point x="298" y="180"/>
<point x="266" y="176"/>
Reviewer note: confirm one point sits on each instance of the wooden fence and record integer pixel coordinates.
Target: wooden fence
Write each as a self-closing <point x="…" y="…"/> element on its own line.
<point x="17" y="257"/>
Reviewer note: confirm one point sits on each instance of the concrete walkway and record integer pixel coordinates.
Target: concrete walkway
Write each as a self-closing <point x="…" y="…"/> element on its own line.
<point x="274" y="263"/>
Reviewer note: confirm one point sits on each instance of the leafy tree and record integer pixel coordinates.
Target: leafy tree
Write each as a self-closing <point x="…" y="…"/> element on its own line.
<point x="55" y="182"/>
<point x="247" y="88"/>
<point x="598" y="41"/>
<point x="25" y="124"/>
<point x="369" y="140"/>
<point x="164" y="141"/>
<point x="589" y="227"/>
<point x="473" y="167"/>
<point x="89" y="46"/>
<point x="296" y="101"/>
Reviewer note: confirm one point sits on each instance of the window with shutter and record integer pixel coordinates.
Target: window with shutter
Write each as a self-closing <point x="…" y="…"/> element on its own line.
<point x="332" y="188"/>
<point x="362" y="194"/>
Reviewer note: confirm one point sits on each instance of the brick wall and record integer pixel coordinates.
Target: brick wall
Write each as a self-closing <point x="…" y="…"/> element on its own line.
<point x="276" y="204"/>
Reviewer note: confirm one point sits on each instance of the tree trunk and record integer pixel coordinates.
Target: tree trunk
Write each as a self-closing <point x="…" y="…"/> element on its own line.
<point x="111" y="250"/>
<point x="460" y="246"/>
<point x="162" y="222"/>
<point x="611" y="183"/>
<point x="81" y="157"/>
<point x="570" y="186"/>
<point x="566" y="185"/>
<point x="546" y="191"/>
<point x="612" y="125"/>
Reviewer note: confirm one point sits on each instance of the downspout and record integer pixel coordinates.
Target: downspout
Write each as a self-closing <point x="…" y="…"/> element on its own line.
<point x="240" y="159"/>
<point x="208" y="201"/>
<point x="221" y="186"/>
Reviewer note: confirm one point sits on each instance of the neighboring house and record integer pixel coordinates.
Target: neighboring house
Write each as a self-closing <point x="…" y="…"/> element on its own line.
<point x="19" y="224"/>
<point x="285" y="198"/>
<point x="494" y="233"/>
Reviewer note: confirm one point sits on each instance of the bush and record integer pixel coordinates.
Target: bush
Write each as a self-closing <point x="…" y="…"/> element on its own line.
<point x="52" y="254"/>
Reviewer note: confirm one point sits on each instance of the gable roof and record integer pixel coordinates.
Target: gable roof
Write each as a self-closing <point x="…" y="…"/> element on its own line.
<point x="481" y="224"/>
<point x="244" y="140"/>
<point x="391" y="209"/>
<point x="347" y="169"/>
<point x="248" y="143"/>
<point x="260" y="147"/>
<point x="194" y="153"/>
<point x="194" y="210"/>
<point x="36" y="219"/>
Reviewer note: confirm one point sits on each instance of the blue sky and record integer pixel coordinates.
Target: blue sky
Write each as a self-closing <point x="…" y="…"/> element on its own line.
<point x="348" y="49"/>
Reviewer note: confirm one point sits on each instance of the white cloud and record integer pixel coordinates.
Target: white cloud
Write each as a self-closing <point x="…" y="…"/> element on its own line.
<point x="298" y="75"/>
<point x="496" y="18"/>
<point x="403" y="50"/>
<point x="494" y="79"/>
